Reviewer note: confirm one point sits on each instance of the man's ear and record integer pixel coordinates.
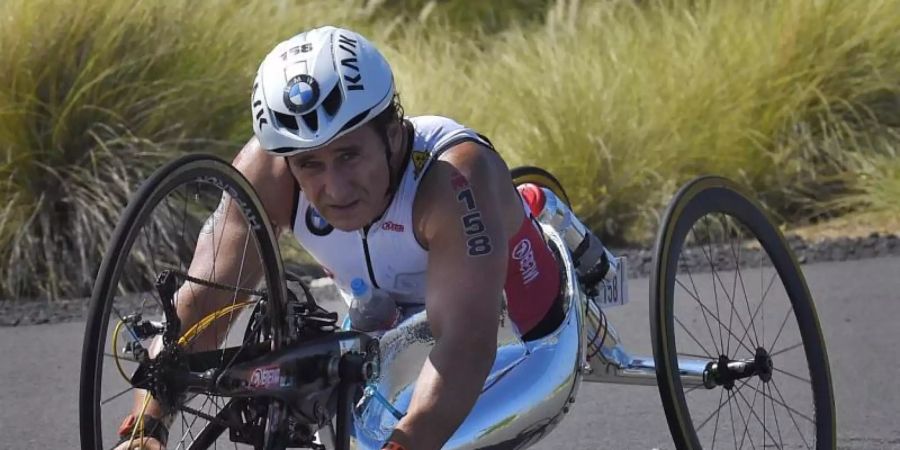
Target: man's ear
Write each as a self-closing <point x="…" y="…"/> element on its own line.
<point x="395" y="132"/>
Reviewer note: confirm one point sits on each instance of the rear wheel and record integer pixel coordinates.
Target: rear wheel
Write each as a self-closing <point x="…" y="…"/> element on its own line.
<point x="727" y="291"/>
<point x="540" y="177"/>
<point x="131" y="314"/>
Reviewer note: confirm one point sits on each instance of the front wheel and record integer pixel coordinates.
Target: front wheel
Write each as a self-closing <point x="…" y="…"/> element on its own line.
<point x="727" y="292"/>
<point x="141" y="279"/>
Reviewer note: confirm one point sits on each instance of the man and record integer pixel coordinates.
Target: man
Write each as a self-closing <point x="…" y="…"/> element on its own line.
<point x="420" y="208"/>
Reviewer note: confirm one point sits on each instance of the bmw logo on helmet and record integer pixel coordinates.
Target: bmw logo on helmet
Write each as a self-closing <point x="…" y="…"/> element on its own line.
<point x="301" y="94"/>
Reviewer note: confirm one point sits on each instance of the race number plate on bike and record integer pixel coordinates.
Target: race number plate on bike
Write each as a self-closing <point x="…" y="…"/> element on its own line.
<point x="614" y="292"/>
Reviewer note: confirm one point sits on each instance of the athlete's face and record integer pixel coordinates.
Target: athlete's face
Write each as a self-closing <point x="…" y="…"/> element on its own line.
<point x="346" y="180"/>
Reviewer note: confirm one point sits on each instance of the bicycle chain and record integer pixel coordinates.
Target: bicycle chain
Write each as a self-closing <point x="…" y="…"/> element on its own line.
<point x="212" y="284"/>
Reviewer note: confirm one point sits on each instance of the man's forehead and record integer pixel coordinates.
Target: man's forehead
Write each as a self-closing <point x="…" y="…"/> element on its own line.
<point x="327" y="151"/>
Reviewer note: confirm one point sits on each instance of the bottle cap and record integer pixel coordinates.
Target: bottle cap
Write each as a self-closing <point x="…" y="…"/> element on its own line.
<point x="358" y="287"/>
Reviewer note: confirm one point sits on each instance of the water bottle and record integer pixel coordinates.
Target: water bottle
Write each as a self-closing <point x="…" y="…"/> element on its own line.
<point x="371" y="309"/>
<point x="593" y="262"/>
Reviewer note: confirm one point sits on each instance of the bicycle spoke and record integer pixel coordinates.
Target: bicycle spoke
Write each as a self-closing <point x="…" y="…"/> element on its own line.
<point x="747" y="423"/>
<point x="786" y="349"/>
<point x="764" y="417"/>
<point x="759" y="307"/>
<point x="716" y="426"/>
<point x="694" y="355"/>
<point x="696" y="297"/>
<point x="721" y="404"/>
<point x="739" y="277"/>
<point x="745" y="327"/>
<point x="692" y="336"/>
<point x="181" y="265"/>
<point x="785" y="406"/>
<point x="731" y="413"/>
<point x="155" y="270"/>
<point x="713" y="269"/>
<point x="189" y="427"/>
<point x="737" y="267"/>
<point x="780" y="329"/>
<point x="234" y="297"/>
<point x="221" y="238"/>
<point x="129" y="389"/>
<point x="793" y="376"/>
<point x="753" y="411"/>
<point x="730" y="301"/>
<point x="729" y="331"/>
<point x="712" y="338"/>
<point x="747" y="302"/>
<point x="744" y="289"/>
<point x="791" y="412"/>
<point x="775" y="414"/>
<point x="693" y="389"/>
<point x="120" y="357"/>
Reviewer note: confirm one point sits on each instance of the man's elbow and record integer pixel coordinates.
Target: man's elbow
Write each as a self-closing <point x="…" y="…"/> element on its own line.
<point x="477" y="349"/>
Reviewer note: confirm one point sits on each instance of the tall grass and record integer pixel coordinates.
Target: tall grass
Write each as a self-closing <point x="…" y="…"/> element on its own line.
<point x="627" y="100"/>
<point x="93" y="96"/>
<point x="623" y="100"/>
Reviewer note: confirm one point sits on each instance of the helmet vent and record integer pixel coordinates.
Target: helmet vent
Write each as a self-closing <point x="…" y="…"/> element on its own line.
<point x="286" y="120"/>
<point x="312" y="120"/>
<point x="332" y="102"/>
<point x="355" y="120"/>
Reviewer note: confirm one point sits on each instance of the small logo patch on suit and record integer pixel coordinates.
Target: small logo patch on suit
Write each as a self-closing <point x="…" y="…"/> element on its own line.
<point x="391" y="226"/>
<point x="419" y="158"/>
<point x="317" y="224"/>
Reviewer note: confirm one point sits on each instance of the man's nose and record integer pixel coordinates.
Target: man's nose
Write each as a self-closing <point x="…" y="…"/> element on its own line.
<point x="337" y="186"/>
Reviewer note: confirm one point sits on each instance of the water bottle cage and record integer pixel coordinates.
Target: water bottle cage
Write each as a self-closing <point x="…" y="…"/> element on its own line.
<point x="593" y="276"/>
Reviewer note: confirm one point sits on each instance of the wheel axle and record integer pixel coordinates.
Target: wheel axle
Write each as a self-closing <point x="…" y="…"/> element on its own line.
<point x="725" y="371"/>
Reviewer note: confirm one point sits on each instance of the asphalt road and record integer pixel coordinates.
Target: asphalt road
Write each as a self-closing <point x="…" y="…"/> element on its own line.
<point x="858" y="304"/>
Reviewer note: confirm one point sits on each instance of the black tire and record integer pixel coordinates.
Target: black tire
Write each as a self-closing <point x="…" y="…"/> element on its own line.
<point x="205" y="171"/>
<point x="721" y="208"/>
<point x="540" y="177"/>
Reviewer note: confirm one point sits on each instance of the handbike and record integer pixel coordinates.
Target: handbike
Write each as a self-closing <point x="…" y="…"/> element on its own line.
<point x="283" y="374"/>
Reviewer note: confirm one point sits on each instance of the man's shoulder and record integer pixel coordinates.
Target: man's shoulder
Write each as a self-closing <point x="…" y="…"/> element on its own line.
<point x="466" y="163"/>
<point x="433" y="122"/>
<point x="436" y="133"/>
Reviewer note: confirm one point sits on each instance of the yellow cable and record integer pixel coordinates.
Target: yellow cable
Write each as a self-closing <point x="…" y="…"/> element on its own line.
<point x="205" y="322"/>
<point x="115" y="351"/>
<point x="139" y="423"/>
<point x="192" y="332"/>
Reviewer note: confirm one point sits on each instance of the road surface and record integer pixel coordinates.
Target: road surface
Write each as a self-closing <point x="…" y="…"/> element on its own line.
<point x="858" y="304"/>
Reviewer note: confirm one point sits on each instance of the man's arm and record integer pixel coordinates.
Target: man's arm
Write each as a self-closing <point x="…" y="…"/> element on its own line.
<point x="467" y="256"/>
<point x="222" y="241"/>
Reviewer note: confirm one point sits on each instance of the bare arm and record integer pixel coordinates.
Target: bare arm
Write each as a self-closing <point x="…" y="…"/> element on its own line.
<point x="225" y="252"/>
<point x="222" y="242"/>
<point x="467" y="241"/>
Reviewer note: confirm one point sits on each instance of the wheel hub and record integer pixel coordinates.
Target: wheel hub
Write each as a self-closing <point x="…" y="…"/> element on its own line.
<point x="725" y="371"/>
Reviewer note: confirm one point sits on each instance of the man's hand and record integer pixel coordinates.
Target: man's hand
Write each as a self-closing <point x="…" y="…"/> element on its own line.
<point x="146" y="443"/>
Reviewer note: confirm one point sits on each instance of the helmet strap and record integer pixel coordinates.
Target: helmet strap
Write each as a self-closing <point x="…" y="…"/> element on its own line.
<point x="394" y="178"/>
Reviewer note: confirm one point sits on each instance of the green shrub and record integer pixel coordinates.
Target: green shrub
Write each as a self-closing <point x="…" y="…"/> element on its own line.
<point x="93" y="96"/>
<point x="624" y="100"/>
<point x="627" y="100"/>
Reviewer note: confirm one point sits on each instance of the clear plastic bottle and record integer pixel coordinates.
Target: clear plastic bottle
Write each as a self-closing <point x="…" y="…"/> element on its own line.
<point x="593" y="262"/>
<point x="371" y="309"/>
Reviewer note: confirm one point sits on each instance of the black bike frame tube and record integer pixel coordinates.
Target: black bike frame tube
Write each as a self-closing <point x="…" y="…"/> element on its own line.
<point x="344" y="415"/>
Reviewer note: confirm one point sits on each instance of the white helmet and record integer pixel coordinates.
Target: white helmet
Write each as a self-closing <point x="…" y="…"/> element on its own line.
<point x="316" y="86"/>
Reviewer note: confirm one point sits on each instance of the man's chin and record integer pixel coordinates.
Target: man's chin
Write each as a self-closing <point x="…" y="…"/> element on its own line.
<point x="347" y="227"/>
<point x="346" y="223"/>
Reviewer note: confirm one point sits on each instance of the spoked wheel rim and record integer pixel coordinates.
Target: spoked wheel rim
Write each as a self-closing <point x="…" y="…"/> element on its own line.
<point x="729" y="293"/>
<point x="147" y="243"/>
